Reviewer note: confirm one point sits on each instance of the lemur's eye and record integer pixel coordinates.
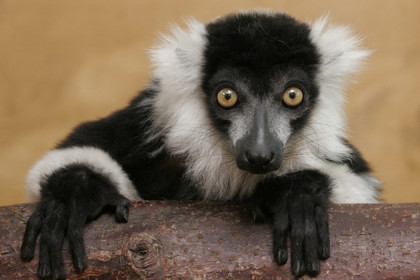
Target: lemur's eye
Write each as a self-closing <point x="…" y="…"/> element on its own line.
<point x="293" y="97"/>
<point x="227" y="97"/>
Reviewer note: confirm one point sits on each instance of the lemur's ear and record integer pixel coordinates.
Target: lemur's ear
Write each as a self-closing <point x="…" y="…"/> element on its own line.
<point x="340" y="50"/>
<point x="179" y="55"/>
<point x="177" y="62"/>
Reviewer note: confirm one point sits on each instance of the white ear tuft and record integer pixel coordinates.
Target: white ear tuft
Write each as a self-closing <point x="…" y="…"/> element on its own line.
<point x="341" y="54"/>
<point x="180" y="53"/>
<point x="178" y="60"/>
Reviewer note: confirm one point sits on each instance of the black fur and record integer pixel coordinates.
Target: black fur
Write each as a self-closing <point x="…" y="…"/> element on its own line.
<point x="356" y="163"/>
<point x="259" y="43"/>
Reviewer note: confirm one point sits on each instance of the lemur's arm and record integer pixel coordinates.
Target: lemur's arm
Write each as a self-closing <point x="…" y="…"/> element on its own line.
<point x="297" y="203"/>
<point x="74" y="183"/>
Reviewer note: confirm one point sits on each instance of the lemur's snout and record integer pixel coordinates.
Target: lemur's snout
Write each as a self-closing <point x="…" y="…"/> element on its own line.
<point x="259" y="151"/>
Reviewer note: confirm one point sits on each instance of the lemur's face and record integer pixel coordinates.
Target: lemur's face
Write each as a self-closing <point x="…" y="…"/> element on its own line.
<point x="259" y="82"/>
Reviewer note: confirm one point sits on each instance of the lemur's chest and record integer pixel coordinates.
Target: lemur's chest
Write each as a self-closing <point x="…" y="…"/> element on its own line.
<point x="217" y="177"/>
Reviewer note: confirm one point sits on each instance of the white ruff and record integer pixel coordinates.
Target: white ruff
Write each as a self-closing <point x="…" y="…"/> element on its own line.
<point x="93" y="158"/>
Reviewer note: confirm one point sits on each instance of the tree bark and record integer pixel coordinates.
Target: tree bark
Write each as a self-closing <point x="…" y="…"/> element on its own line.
<point x="203" y="240"/>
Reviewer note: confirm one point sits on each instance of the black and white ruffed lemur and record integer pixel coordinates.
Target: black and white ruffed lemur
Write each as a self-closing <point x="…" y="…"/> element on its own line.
<point x="247" y="108"/>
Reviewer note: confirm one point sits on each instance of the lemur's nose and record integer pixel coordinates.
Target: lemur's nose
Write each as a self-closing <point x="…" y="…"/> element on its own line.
<point x="259" y="158"/>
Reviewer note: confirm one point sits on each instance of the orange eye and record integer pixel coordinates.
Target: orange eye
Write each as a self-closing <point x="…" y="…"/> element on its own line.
<point x="293" y="97"/>
<point x="227" y="97"/>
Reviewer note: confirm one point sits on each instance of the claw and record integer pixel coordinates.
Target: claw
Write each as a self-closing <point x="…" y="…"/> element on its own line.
<point x="27" y="253"/>
<point x="324" y="253"/>
<point x="313" y="269"/>
<point x="298" y="268"/>
<point x="80" y="264"/>
<point x="44" y="271"/>
<point x="121" y="214"/>
<point x="281" y="257"/>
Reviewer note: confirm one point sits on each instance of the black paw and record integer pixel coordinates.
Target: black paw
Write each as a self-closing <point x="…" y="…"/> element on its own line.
<point x="307" y="227"/>
<point x="298" y="203"/>
<point x="70" y="198"/>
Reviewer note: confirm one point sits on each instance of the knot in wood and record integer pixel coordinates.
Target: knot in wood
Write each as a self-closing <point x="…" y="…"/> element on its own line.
<point x="146" y="255"/>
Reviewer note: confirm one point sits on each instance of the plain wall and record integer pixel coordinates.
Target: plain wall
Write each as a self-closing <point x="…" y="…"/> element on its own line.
<point x="64" y="62"/>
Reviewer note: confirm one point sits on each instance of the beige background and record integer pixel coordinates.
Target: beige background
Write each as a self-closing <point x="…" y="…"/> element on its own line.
<point x="64" y="62"/>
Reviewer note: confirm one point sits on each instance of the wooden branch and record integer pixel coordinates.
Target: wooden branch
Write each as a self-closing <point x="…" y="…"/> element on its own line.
<point x="202" y="240"/>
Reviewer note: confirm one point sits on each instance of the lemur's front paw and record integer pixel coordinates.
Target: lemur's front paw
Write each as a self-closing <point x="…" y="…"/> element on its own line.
<point x="298" y="204"/>
<point x="307" y="226"/>
<point x="70" y="198"/>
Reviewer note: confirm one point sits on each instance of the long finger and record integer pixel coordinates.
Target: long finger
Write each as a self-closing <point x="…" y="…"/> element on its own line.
<point x="321" y="216"/>
<point x="52" y="236"/>
<point x="280" y="230"/>
<point x="76" y="223"/>
<point x="59" y="224"/>
<point x="311" y="241"/>
<point x="297" y="235"/>
<point x="44" y="266"/>
<point x="33" y="227"/>
<point x="121" y="207"/>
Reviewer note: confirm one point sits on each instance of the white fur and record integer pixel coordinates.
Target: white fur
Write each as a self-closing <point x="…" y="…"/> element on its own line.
<point x="97" y="160"/>
<point x="179" y="109"/>
<point x="348" y="187"/>
<point x="178" y="62"/>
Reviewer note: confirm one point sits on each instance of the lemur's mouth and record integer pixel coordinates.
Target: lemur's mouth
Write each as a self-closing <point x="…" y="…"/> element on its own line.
<point x="261" y="169"/>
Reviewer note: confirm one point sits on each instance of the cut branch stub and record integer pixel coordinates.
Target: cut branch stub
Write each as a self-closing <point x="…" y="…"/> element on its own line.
<point x="146" y="255"/>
